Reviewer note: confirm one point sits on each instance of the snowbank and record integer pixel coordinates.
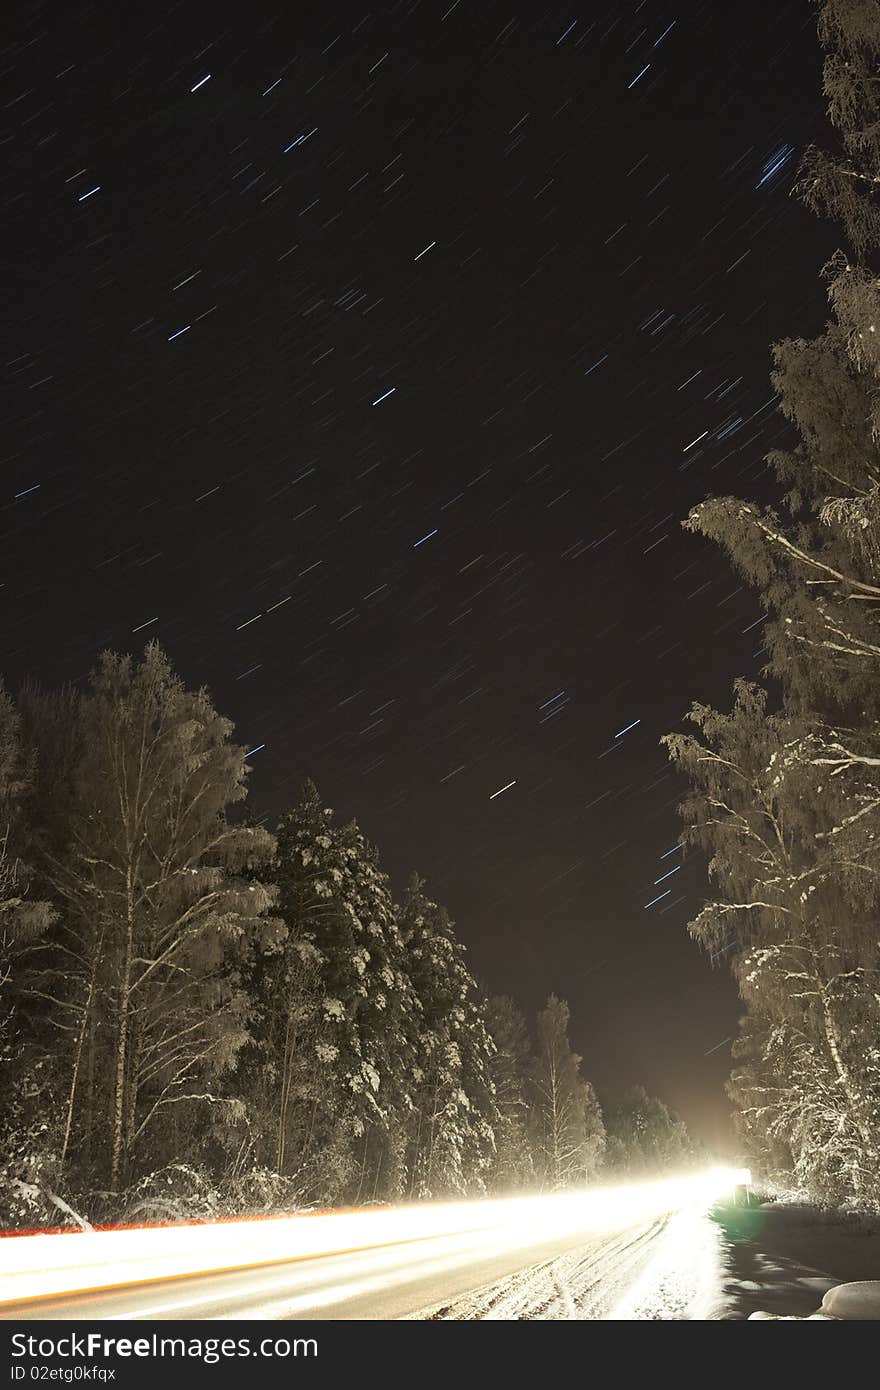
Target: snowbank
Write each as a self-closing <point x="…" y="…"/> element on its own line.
<point x="792" y="1261"/>
<point x="858" y="1302"/>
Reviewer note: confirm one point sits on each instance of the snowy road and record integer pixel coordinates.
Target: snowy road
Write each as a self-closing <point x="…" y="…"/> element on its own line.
<point x="636" y="1252"/>
<point x="390" y="1283"/>
<point x="663" y="1270"/>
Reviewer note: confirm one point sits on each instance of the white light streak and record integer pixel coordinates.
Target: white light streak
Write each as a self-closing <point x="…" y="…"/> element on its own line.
<point x="627" y="729"/>
<point x="666" y="853"/>
<point x="694" y="441"/>
<point x="658" y="898"/>
<point x="503" y="789"/>
<point x="43" y="1265"/>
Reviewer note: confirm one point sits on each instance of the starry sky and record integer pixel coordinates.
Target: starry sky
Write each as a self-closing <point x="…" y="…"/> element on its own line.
<point x="369" y="362"/>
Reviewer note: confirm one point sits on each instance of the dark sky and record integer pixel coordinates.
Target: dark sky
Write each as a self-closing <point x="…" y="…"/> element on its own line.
<point x="359" y="358"/>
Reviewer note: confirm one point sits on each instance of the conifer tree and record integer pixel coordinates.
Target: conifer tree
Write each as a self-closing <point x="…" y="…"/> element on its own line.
<point x="513" y="1167"/>
<point x="452" y="1130"/>
<point x="335" y="900"/>
<point x="23" y="918"/>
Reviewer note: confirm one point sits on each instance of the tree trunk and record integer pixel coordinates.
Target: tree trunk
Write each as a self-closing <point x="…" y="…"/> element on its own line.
<point x="842" y="1070"/>
<point x="363" y="1164"/>
<point x="118" y="1155"/>
<point x="414" y="1161"/>
<point x="84" y="1029"/>
<point x="284" y="1102"/>
<point x="133" y="1065"/>
<point x="89" y="1103"/>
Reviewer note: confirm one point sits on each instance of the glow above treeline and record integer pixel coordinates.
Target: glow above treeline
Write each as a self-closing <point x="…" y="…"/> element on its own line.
<point x="42" y="1266"/>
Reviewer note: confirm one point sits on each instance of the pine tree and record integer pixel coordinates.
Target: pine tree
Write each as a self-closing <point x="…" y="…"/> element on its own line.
<point x="451" y="1137"/>
<point x="23" y="918"/>
<point x="334" y="899"/>
<point x="569" y="1133"/>
<point x="276" y="1070"/>
<point x="513" y="1168"/>
<point x="28" y="1074"/>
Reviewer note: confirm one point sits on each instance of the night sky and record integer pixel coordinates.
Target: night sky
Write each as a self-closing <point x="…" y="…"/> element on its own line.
<point x="369" y="362"/>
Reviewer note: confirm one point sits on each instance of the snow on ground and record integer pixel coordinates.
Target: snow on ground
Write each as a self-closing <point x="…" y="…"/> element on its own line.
<point x="649" y="1272"/>
<point x="771" y="1260"/>
<point x="857" y="1302"/>
<point x="781" y="1260"/>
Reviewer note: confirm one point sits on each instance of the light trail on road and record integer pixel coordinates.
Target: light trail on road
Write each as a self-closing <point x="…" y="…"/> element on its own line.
<point x="325" y="1264"/>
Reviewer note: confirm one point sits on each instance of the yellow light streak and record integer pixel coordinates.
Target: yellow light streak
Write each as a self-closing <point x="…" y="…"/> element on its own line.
<point x="48" y="1265"/>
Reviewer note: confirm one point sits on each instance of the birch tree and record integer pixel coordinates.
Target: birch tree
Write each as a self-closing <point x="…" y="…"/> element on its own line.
<point x="794" y="919"/>
<point x="154" y="902"/>
<point x="569" y="1133"/>
<point x="816" y="558"/>
<point x="788" y="806"/>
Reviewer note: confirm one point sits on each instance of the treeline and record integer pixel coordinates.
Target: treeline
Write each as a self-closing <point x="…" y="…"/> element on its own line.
<point x="785" y="787"/>
<point x="198" y="1016"/>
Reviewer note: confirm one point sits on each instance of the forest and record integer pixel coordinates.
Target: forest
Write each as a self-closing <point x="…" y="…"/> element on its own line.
<point x="200" y="1017"/>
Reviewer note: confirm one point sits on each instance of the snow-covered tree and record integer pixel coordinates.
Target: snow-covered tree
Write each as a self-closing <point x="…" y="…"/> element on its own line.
<point x="335" y="901"/>
<point x="795" y="920"/>
<point x="816" y="559"/>
<point x="451" y="1134"/>
<point x="276" y="1070"/>
<point x="23" y="918"/>
<point x="28" y="1079"/>
<point x="645" y="1136"/>
<point x="789" y="806"/>
<point x="513" y="1166"/>
<point x="569" y="1136"/>
<point x="148" y="878"/>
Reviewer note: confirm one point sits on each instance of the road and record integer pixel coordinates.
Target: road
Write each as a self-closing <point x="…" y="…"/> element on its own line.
<point x="395" y="1282"/>
<point x="431" y="1261"/>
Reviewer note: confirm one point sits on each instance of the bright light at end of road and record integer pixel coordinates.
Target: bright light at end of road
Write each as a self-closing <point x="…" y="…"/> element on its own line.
<point x="42" y="1266"/>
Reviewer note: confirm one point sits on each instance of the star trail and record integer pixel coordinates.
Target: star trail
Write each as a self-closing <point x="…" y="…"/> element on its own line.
<point x="369" y="362"/>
